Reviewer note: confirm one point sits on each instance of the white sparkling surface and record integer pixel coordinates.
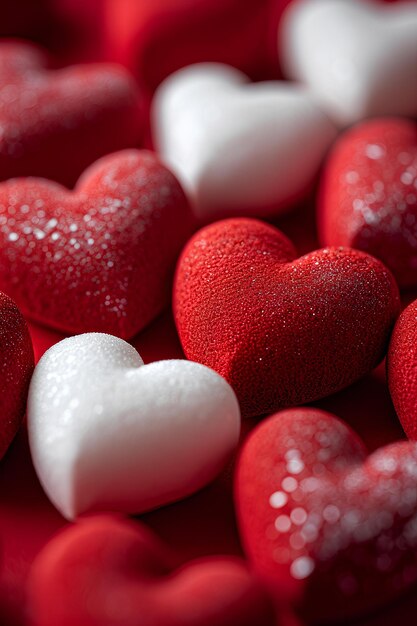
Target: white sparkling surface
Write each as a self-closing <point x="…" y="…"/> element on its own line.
<point x="109" y="433"/>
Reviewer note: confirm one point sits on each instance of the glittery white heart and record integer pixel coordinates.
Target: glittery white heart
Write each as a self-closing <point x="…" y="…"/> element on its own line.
<point x="109" y="433"/>
<point x="239" y="148"/>
<point x="358" y="57"/>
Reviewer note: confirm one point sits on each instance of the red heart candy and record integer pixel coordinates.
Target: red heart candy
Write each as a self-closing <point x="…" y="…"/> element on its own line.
<point x="105" y="571"/>
<point x="402" y="369"/>
<point x="281" y="331"/>
<point x="17" y="362"/>
<point x="99" y="258"/>
<point x="368" y="197"/>
<point x="157" y="38"/>
<point x="319" y="518"/>
<point x="55" y="123"/>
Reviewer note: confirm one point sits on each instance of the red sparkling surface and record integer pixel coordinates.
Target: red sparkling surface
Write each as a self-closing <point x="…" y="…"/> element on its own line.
<point x="402" y="369"/>
<point x="334" y="528"/>
<point x="281" y="331"/>
<point x="368" y="195"/>
<point x="101" y="257"/>
<point x="54" y="123"/>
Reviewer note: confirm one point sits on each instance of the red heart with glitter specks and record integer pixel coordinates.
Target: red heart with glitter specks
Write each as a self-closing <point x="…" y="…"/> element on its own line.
<point x="368" y="197"/>
<point x="55" y="123"/>
<point x="402" y="369"/>
<point x="334" y="527"/>
<point x="16" y="367"/>
<point x="105" y="571"/>
<point x="101" y="257"/>
<point x="281" y="331"/>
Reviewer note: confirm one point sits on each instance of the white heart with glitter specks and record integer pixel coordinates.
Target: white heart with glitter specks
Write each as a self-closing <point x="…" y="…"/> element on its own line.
<point x="239" y="148"/>
<point x="358" y="57"/>
<point x="110" y="433"/>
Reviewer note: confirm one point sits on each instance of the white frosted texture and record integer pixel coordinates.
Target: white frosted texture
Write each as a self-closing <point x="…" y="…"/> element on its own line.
<point x="239" y="148"/>
<point x="110" y="433"/>
<point x="359" y="58"/>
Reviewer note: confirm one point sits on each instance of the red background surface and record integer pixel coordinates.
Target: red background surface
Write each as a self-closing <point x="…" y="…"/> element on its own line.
<point x="203" y="524"/>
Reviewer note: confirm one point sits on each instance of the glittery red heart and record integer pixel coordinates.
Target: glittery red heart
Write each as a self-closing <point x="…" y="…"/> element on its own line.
<point x="319" y="518"/>
<point x="99" y="258"/>
<point x="402" y="369"/>
<point x="16" y="366"/>
<point x="105" y="571"/>
<point x="281" y="331"/>
<point x="368" y="197"/>
<point x="55" y="123"/>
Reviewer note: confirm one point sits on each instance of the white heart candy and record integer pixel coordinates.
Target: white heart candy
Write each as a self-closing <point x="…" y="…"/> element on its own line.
<point x="239" y="148"/>
<point x="110" y="433"/>
<point x="358" y="57"/>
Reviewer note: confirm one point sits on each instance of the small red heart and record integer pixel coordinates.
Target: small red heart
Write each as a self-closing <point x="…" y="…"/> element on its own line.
<point x="402" y="369"/>
<point x="55" y="123"/>
<point x="335" y="528"/>
<point x="99" y="258"/>
<point x="105" y="571"/>
<point x="368" y="197"/>
<point x="281" y="331"/>
<point x="17" y="362"/>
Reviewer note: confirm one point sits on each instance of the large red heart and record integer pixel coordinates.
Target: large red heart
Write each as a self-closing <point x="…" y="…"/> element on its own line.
<point x="17" y="362"/>
<point x="402" y="369"/>
<point x="281" y="331"/>
<point x="335" y="528"/>
<point x="55" y="123"/>
<point x="99" y="258"/>
<point x="368" y="196"/>
<point x="105" y="571"/>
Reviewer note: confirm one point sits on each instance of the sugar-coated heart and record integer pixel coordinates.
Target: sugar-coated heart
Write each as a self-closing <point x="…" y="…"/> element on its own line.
<point x="368" y="197"/>
<point x="157" y="38"/>
<point x="233" y="159"/>
<point x="16" y="358"/>
<point x="282" y="331"/>
<point x="320" y="518"/>
<point x="106" y="571"/>
<point x="110" y="433"/>
<point x="402" y="369"/>
<point x="55" y="123"/>
<point x="101" y="257"/>
<point x="358" y="57"/>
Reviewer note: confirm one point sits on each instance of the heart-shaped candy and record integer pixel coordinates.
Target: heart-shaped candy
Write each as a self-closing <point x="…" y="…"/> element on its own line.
<point x="99" y="258"/>
<point x="157" y="38"/>
<point x="55" y="123"/>
<point x="106" y="571"/>
<point x="282" y="331"/>
<point x="368" y="197"/>
<point x="335" y="528"/>
<point x="109" y="433"/>
<point x="402" y="369"/>
<point x="358" y="57"/>
<point x="16" y="354"/>
<point x="239" y="148"/>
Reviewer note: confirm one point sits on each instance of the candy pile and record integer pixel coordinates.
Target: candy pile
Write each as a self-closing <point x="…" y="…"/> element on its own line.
<point x="208" y="251"/>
